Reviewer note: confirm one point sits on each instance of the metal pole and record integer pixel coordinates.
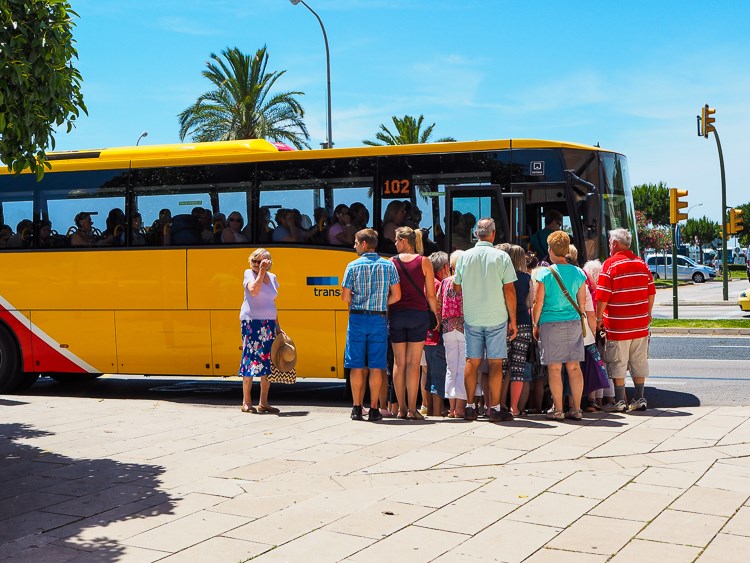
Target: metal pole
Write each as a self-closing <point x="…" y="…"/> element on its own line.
<point x="724" y="267"/>
<point x="674" y="271"/>
<point x="329" y="141"/>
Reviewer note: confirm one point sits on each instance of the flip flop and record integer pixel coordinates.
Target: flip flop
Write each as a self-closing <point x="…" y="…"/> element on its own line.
<point x="269" y="409"/>
<point x="248" y="408"/>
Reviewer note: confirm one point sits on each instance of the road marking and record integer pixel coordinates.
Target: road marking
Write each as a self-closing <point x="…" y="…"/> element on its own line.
<point x="729" y="346"/>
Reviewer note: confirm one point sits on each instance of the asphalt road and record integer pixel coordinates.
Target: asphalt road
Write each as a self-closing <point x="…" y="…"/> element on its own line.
<point x="685" y="371"/>
<point x="702" y="301"/>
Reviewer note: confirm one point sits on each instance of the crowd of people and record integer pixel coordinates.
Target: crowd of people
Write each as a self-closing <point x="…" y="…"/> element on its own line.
<point x="501" y="334"/>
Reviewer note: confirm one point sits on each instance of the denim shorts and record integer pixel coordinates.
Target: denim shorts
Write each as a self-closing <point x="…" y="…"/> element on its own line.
<point x="490" y="339"/>
<point x="366" y="342"/>
<point x="408" y="325"/>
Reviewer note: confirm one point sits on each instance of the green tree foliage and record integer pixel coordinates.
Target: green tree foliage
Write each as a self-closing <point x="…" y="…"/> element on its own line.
<point x="704" y="230"/>
<point x="657" y="238"/>
<point x="653" y="201"/>
<point x="241" y="104"/>
<point x="408" y="132"/>
<point x="39" y="87"/>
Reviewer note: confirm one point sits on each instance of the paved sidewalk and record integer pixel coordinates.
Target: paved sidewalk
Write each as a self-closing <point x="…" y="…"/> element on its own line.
<point x="143" y="480"/>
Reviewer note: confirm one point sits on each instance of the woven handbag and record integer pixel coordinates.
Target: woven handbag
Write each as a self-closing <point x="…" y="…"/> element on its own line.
<point x="286" y="377"/>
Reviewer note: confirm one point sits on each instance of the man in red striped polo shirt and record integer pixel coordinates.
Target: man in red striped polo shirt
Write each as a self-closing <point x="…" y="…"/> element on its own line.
<point x="625" y="297"/>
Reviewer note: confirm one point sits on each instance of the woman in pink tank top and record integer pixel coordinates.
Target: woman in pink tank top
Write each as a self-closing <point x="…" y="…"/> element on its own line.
<point x="408" y="319"/>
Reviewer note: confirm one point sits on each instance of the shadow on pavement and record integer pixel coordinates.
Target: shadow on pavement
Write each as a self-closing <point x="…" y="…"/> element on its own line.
<point x="9" y="403"/>
<point x="669" y="399"/>
<point x="47" y="497"/>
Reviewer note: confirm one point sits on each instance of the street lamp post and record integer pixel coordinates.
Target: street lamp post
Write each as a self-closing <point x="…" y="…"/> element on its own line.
<point x="329" y="141"/>
<point x="144" y="134"/>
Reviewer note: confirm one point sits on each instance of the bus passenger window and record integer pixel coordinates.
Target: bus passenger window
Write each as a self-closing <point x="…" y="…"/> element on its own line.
<point x="232" y="233"/>
<point x="393" y="218"/>
<point x="289" y="227"/>
<point x="16" y="210"/>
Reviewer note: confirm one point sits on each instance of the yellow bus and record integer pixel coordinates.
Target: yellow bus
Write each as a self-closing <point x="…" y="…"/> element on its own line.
<point x="122" y="260"/>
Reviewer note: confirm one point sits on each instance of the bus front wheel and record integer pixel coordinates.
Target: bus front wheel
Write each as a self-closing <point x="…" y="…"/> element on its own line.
<point x="10" y="372"/>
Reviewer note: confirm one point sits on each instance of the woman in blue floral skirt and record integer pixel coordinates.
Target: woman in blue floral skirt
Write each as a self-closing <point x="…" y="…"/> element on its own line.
<point x="260" y="324"/>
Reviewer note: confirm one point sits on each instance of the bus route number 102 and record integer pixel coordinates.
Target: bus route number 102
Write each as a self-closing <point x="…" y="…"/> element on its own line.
<point x="397" y="188"/>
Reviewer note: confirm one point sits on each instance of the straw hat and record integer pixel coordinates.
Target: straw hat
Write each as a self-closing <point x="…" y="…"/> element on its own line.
<point x="283" y="352"/>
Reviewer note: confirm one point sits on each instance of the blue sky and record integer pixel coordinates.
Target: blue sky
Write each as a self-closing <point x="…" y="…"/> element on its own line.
<point x="629" y="75"/>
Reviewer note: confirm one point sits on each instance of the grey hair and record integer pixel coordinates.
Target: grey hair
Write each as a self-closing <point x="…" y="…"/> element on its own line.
<point x="259" y="253"/>
<point x="485" y="227"/>
<point x="438" y="260"/>
<point x="622" y="236"/>
<point x="593" y="268"/>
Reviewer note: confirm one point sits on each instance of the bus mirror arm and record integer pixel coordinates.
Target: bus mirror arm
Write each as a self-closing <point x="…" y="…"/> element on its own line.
<point x="573" y="180"/>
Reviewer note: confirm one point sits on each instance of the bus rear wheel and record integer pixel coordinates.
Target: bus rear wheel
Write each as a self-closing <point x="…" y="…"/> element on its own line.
<point x="10" y="372"/>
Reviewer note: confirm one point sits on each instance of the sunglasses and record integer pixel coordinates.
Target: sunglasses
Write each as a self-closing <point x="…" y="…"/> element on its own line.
<point x="256" y="261"/>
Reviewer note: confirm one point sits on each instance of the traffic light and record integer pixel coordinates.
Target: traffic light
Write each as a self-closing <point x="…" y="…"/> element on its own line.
<point x="707" y="120"/>
<point x="675" y="216"/>
<point x="735" y="221"/>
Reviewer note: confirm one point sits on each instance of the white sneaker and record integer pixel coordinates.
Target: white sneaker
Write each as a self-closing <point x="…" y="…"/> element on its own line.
<point x="619" y="406"/>
<point x="423" y="410"/>
<point x="638" y="405"/>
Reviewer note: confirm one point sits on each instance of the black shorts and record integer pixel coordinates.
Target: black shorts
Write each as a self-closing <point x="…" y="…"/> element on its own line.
<point x="408" y="325"/>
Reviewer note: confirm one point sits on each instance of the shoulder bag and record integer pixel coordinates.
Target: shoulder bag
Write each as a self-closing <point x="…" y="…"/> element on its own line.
<point x="433" y="317"/>
<point x="566" y="293"/>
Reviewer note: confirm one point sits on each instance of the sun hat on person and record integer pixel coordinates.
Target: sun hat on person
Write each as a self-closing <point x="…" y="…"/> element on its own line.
<point x="283" y="352"/>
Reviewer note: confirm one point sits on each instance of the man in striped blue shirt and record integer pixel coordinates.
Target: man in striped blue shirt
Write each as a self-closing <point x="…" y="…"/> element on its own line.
<point x="370" y="285"/>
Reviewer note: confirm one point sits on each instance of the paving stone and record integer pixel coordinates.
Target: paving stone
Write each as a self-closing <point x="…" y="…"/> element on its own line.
<point x="685" y="528"/>
<point x="229" y="549"/>
<point x="705" y="500"/>
<point x="551" y="509"/>
<point x="319" y="545"/>
<point x="547" y="555"/>
<point x="185" y="532"/>
<point x="508" y="540"/>
<point x="655" y="552"/>
<point x="725" y="548"/>
<point x="412" y="540"/>
<point x="465" y="516"/>
<point x="594" y="534"/>
<point x="739" y="524"/>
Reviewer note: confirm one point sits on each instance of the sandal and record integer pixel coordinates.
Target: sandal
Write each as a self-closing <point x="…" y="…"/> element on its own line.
<point x="269" y="409"/>
<point x="574" y="414"/>
<point x="401" y="414"/>
<point x="248" y="408"/>
<point x="552" y="414"/>
<point x="414" y="415"/>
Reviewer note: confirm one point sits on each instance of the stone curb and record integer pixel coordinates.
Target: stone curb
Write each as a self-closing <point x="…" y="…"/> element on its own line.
<point x="704" y="331"/>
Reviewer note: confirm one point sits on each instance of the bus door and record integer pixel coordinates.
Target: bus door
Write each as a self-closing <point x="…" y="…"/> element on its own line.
<point x="578" y="203"/>
<point x="465" y="205"/>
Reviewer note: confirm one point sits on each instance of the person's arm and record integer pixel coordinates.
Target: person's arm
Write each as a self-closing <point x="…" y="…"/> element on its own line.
<point x="255" y="285"/>
<point x="509" y="289"/>
<point x="581" y="297"/>
<point x="429" y="286"/>
<point x="536" y="310"/>
<point x="394" y="293"/>
<point x="346" y="295"/>
<point x="651" y="299"/>
<point x="600" y="307"/>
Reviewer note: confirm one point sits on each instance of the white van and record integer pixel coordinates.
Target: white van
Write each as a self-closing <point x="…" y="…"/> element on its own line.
<point x="661" y="267"/>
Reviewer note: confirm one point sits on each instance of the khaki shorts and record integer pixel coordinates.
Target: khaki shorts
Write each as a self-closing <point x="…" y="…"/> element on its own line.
<point x="627" y="355"/>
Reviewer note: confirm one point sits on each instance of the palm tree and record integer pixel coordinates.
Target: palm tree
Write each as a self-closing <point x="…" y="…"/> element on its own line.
<point x="408" y="133"/>
<point x="241" y="105"/>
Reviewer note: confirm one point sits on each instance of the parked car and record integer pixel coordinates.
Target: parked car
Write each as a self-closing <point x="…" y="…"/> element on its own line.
<point x="661" y="267"/>
<point x="744" y="300"/>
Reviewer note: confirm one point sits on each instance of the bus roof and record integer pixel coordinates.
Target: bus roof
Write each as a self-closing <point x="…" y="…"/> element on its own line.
<point x="258" y="150"/>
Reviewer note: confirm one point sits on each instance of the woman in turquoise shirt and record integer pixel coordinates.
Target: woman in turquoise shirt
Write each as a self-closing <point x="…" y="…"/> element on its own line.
<point x="557" y="325"/>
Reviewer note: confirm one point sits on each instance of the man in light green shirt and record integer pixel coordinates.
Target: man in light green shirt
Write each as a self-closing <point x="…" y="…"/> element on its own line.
<point x="484" y="277"/>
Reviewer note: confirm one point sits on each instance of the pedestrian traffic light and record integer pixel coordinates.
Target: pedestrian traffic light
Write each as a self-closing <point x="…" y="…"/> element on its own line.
<point x="707" y="120"/>
<point x="735" y="221"/>
<point x="675" y="204"/>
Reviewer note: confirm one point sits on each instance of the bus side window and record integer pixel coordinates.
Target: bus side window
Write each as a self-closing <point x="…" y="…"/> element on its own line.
<point x="288" y="219"/>
<point x="16" y="211"/>
<point x="352" y="212"/>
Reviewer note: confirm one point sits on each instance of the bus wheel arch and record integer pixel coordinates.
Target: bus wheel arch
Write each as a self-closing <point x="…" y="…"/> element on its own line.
<point x="10" y="361"/>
